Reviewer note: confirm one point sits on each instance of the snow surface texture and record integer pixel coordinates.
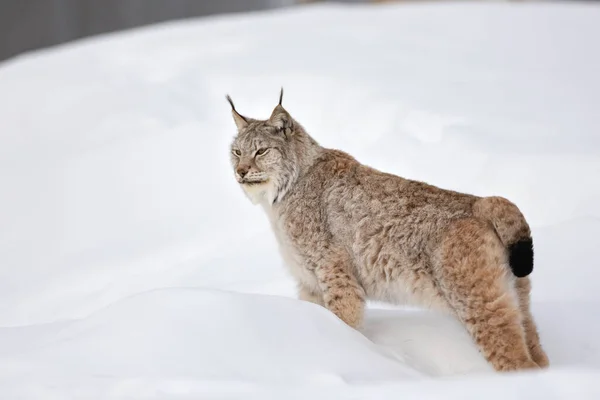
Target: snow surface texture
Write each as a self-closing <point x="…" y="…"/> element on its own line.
<point x="132" y="266"/>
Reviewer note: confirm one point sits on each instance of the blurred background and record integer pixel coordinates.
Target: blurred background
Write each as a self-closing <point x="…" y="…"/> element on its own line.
<point x="33" y="24"/>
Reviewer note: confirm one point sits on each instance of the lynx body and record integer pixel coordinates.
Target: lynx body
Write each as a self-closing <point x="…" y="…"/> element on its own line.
<point x="348" y="233"/>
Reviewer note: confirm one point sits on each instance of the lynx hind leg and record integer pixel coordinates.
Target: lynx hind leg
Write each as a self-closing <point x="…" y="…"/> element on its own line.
<point x="305" y="294"/>
<point x="474" y="276"/>
<point x="523" y="286"/>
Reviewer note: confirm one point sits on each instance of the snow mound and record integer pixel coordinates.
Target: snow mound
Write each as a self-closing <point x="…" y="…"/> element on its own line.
<point x="188" y="341"/>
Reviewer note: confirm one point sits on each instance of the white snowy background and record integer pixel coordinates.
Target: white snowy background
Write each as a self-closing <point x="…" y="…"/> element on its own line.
<point x="132" y="266"/>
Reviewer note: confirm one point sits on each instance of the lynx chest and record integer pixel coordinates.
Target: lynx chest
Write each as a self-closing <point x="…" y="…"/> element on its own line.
<point x="292" y="257"/>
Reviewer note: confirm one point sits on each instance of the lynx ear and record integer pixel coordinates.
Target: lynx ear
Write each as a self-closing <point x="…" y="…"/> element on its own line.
<point x="240" y="120"/>
<point x="280" y="118"/>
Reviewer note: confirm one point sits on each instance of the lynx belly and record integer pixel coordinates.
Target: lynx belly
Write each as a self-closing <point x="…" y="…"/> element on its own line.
<point x="403" y="286"/>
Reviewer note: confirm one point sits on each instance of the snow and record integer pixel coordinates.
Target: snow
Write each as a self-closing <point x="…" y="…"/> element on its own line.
<point x="132" y="266"/>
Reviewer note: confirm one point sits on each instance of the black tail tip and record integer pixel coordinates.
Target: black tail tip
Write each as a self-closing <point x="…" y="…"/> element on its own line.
<point x="521" y="257"/>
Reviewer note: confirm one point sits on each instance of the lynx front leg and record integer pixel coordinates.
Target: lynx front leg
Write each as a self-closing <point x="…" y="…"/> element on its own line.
<point x="342" y="294"/>
<point x="306" y="294"/>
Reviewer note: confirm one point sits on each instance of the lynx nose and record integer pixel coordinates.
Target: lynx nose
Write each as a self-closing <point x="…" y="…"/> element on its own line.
<point x="242" y="171"/>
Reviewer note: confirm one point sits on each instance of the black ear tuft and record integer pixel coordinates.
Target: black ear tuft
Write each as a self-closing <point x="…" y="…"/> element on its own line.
<point x="230" y="102"/>
<point x="281" y="96"/>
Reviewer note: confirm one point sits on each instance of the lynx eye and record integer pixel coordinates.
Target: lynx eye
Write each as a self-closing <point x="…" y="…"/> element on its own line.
<point x="262" y="151"/>
<point x="237" y="153"/>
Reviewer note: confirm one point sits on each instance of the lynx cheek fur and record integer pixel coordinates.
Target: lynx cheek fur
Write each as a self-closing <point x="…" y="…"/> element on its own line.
<point x="348" y="232"/>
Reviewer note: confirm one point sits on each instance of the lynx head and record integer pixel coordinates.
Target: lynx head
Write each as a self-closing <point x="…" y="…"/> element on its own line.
<point x="268" y="155"/>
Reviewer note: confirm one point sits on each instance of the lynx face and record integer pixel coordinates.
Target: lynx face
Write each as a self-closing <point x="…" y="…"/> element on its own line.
<point x="257" y="158"/>
<point x="266" y="154"/>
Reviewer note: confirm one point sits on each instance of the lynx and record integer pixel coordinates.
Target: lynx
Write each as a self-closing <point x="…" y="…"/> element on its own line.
<point x="348" y="233"/>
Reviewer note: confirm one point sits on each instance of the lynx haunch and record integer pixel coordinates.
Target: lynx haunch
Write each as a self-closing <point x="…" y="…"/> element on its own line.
<point x="348" y="233"/>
